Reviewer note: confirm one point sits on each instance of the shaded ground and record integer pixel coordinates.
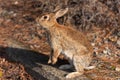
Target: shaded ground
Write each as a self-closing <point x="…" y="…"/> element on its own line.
<point x="24" y="44"/>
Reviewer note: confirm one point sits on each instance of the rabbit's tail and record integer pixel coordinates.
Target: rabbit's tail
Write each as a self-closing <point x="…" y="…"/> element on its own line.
<point x="89" y="67"/>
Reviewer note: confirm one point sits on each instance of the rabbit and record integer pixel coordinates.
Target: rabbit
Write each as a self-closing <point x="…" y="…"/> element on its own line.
<point x="68" y="41"/>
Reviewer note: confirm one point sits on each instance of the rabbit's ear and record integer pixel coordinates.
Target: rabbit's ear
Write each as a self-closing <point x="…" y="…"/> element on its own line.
<point x="61" y="12"/>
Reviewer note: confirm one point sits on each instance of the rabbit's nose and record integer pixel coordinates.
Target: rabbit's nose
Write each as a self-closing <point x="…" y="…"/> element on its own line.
<point x="37" y="21"/>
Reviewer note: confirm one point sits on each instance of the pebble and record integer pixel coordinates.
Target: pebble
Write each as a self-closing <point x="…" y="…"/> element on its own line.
<point x="117" y="68"/>
<point x="105" y="41"/>
<point x="93" y="44"/>
<point x="118" y="42"/>
<point x="16" y="2"/>
<point x="105" y="51"/>
<point x="14" y="14"/>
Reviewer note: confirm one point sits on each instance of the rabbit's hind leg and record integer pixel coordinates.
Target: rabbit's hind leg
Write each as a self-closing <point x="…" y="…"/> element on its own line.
<point x="79" y="67"/>
<point x="73" y="74"/>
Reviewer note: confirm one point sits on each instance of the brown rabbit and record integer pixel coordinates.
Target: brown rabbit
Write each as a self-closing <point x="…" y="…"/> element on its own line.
<point x="69" y="42"/>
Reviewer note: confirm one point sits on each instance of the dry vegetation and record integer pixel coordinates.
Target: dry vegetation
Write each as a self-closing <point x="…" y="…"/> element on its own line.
<point x="98" y="19"/>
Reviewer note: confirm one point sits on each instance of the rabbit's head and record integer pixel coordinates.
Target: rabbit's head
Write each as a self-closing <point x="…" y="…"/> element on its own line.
<point x="49" y="20"/>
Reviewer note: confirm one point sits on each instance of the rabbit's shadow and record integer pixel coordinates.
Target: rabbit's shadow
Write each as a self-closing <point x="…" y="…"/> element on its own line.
<point x="26" y="57"/>
<point x="30" y="57"/>
<point x="29" y="60"/>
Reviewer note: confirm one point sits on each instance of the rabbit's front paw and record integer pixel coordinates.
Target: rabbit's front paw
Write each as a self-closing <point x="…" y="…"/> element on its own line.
<point x="49" y="61"/>
<point x="73" y="74"/>
<point x="54" y="60"/>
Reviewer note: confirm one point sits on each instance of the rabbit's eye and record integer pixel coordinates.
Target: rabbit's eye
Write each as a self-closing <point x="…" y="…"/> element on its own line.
<point x="45" y="17"/>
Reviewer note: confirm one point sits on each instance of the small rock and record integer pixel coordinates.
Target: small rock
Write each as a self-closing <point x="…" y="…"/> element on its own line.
<point x="14" y="14"/>
<point x="117" y="68"/>
<point x="105" y="51"/>
<point x="105" y="41"/>
<point x="95" y="48"/>
<point x="93" y="44"/>
<point x="118" y="42"/>
<point x="16" y="2"/>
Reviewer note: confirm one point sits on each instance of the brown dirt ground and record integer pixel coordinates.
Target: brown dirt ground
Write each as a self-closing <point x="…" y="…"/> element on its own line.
<point x="19" y="35"/>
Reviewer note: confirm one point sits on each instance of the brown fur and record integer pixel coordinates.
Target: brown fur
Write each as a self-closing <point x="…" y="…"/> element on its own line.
<point x="68" y="41"/>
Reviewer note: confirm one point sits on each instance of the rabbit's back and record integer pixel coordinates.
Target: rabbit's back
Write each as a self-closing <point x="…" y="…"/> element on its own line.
<point x="68" y="38"/>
